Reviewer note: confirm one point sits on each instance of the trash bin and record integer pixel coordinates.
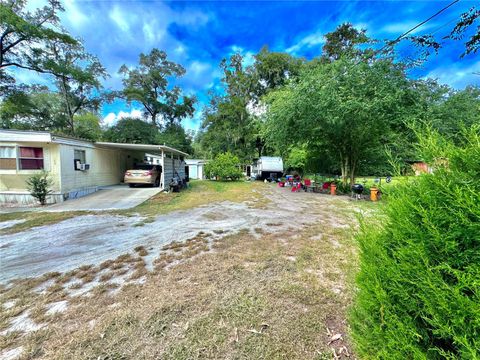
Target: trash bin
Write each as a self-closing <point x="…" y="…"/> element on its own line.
<point x="373" y="194"/>
<point x="333" y="189"/>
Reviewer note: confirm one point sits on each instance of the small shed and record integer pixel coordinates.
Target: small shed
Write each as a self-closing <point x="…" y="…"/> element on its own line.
<point x="195" y="168"/>
<point x="420" y="167"/>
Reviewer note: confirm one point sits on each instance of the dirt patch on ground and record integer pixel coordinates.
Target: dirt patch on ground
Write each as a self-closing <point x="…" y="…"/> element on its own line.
<point x="92" y="239"/>
<point x="255" y="282"/>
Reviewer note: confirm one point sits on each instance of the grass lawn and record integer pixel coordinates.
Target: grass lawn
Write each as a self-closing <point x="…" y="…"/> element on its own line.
<point x="200" y="193"/>
<point x="369" y="181"/>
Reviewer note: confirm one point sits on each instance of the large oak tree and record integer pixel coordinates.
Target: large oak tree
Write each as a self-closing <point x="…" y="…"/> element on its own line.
<point x="148" y="84"/>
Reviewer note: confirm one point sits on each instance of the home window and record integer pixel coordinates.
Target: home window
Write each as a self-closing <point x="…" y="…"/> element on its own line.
<point x="79" y="158"/>
<point x="31" y="158"/>
<point x="8" y="159"/>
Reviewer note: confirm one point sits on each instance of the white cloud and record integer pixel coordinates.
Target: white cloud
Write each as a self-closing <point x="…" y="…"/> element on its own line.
<point x="73" y="14"/>
<point x="237" y="49"/>
<point x="148" y="32"/>
<point x="316" y="39"/>
<point x="111" y="118"/>
<point x="402" y="27"/>
<point x="248" y="56"/>
<point x="456" y="75"/>
<point x="23" y="76"/>
<point x="119" y="18"/>
<point x="195" y="121"/>
<point x="152" y="32"/>
<point x="197" y="68"/>
<point x="180" y="49"/>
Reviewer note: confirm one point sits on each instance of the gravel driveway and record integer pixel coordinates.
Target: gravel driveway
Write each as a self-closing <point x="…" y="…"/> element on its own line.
<point x="91" y="239"/>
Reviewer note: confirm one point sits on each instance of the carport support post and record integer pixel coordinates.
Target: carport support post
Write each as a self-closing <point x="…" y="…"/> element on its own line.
<point x="162" y="177"/>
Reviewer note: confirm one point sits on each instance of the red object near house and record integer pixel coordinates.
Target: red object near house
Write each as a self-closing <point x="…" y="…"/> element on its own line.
<point x="326" y="185"/>
<point x="281" y="184"/>
<point x="308" y="182"/>
<point x="296" y="187"/>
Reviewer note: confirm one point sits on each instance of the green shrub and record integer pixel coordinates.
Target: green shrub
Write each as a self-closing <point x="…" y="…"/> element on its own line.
<point x="224" y="167"/>
<point x="419" y="282"/>
<point x="39" y="186"/>
<point x="343" y="188"/>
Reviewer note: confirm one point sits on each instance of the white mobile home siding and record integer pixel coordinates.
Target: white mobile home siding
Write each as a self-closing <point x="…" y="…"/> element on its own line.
<point x="13" y="186"/>
<point x="107" y="167"/>
<point x="107" y="164"/>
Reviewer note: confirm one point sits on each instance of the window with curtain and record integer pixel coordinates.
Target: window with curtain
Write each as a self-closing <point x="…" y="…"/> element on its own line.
<point x="8" y="159"/>
<point x="30" y="158"/>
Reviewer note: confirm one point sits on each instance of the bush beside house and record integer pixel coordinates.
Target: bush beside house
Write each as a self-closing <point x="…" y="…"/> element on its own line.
<point x="39" y="186"/>
<point x="224" y="167"/>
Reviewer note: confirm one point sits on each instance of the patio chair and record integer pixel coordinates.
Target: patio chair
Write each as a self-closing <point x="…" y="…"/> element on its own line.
<point x="297" y="187"/>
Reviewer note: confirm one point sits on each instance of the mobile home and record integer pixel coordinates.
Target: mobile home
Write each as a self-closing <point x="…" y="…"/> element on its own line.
<point x="267" y="167"/>
<point x="76" y="167"/>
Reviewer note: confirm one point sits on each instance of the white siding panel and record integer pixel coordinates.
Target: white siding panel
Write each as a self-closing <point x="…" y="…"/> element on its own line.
<point x="107" y="167"/>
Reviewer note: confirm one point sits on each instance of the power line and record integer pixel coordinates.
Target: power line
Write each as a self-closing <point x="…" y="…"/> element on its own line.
<point x="393" y="42"/>
<point x="427" y="20"/>
<point x="390" y="43"/>
<point x="455" y="18"/>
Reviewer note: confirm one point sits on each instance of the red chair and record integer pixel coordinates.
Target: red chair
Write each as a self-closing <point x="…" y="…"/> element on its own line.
<point x="296" y="187"/>
<point x="326" y="185"/>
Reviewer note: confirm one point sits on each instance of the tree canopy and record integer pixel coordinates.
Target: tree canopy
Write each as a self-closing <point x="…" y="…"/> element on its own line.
<point x="148" y="84"/>
<point x="345" y="111"/>
<point x="132" y="130"/>
<point x="24" y="36"/>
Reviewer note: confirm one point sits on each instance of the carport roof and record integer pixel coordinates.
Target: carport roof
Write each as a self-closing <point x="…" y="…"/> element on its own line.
<point x="147" y="147"/>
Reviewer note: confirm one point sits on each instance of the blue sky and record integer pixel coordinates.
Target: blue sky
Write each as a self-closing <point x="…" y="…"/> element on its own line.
<point x="199" y="34"/>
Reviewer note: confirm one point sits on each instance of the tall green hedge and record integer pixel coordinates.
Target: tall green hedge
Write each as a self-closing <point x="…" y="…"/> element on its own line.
<point x="419" y="282"/>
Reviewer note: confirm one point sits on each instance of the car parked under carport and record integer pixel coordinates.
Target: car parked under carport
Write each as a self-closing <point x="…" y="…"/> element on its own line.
<point x="142" y="174"/>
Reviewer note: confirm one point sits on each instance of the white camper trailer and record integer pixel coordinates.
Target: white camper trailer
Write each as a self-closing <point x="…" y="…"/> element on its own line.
<point x="267" y="167"/>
